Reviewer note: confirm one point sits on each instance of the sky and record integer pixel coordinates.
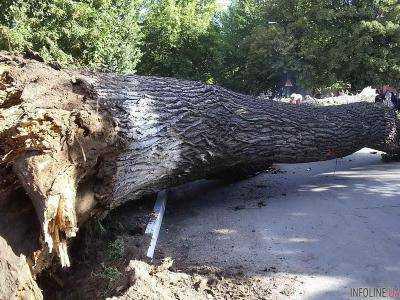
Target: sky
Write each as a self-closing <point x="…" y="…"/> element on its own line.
<point x="224" y="3"/>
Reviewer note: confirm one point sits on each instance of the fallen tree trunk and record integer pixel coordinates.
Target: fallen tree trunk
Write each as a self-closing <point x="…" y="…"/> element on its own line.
<point x="81" y="143"/>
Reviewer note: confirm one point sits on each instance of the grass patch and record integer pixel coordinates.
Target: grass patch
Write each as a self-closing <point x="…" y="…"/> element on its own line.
<point x="115" y="250"/>
<point x="110" y="274"/>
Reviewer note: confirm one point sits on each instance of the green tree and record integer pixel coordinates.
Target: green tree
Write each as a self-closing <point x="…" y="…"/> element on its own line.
<point x="235" y="27"/>
<point x="249" y="47"/>
<point x="179" y="39"/>
<point x="95" y="33"/>
<point x="325" y="43"/>
<point x="377" y="46"/>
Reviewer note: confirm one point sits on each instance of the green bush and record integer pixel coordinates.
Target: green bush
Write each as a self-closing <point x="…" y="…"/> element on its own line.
<point x="96" y="33"/>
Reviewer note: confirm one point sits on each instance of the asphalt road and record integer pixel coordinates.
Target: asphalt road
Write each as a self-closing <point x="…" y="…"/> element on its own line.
<point x="317" y="230"/>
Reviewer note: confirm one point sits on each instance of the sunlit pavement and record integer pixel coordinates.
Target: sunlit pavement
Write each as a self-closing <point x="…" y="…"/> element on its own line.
<point x="317" y="229"/>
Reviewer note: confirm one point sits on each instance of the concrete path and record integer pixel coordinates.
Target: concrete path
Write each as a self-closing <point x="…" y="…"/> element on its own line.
<point x="314" y="232"/>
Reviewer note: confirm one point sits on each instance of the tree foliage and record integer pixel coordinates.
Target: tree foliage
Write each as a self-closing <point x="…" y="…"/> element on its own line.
<point x="236" y="26"/>
<point x="179" y="39"/>
<point x="324" y="43"/>
<point x="96" y="33"/>
<point x="249" y="47"/>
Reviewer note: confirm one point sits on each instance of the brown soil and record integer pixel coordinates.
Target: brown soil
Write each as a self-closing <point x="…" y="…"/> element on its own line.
<point x="100" y="256"/>
<point x="108" y="260"/>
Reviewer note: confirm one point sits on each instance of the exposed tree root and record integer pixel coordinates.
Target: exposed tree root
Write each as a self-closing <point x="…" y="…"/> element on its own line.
<point x="16" y="281"/>
<point x="52" y="140"/>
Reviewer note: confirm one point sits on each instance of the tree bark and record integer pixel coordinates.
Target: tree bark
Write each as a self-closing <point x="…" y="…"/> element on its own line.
<point x="176" y="131"/>
<point x="81" y="143"/>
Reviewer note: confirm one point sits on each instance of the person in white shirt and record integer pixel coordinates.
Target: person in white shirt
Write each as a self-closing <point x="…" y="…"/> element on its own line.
<point x="296" y="99"/>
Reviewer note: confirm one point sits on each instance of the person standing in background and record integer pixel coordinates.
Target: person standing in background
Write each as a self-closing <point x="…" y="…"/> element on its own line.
<point x="388" y="96"/>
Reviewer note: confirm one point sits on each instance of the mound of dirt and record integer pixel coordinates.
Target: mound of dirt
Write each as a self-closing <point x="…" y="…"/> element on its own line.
<point x="164" y="282"/>
<point x="158" y="282"/>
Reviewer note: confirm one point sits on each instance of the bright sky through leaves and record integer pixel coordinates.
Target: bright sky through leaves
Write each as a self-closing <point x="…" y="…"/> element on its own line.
<point x="224" y="3"/>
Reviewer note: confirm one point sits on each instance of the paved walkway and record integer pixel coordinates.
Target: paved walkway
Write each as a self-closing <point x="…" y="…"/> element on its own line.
<point x="318" y="231"/>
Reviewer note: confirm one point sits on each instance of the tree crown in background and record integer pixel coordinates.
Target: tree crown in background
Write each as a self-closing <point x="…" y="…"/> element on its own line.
<point x="251" y="47"/>
<point x="94" y="33"/>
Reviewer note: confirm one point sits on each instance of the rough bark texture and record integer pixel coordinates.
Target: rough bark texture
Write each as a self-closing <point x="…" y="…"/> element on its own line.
<point x="177" y="131"/>
<point x="82" y="143"/>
